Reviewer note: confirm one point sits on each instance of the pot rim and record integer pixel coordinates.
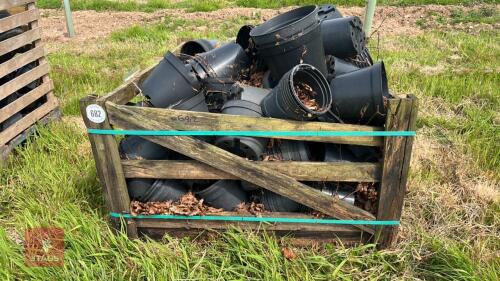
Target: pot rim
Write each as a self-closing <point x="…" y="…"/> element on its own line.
<point x="264" y="29"/>
<point x="302" y="67"/>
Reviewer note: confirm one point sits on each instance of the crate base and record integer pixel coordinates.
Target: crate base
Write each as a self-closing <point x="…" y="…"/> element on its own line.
<point x="5" y="150"/>
<point x="297" y="238"/>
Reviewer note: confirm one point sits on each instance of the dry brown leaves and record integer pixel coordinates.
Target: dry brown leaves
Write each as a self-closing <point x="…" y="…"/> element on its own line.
<point x="256" y="79"/>
<point x="366" y="197"/>
<point x="306" y="95"/>
<point x="252" y="208"/>
<point x="288" y="253"/>
<point x="188" y="205"/>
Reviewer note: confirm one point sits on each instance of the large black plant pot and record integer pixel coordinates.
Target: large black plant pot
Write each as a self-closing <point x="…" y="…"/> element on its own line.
<point x="276" y="203"/>
<point x="343" y="37"/>
<point x="147" y="190"/>
<point x="243" y="38"/>
<point x="283" y="101"/>
<point x="290" y="39"/>
<point x="196" y="103"/>
<point x="195" y="47"/>
<point x="225" y="63"/>
<point x="328" y="12"/>
<point x="247" y="105"/>
<point x="338" y="66"/>
<point x="358" y="96"/>
<point x="134" y="147"/>
<point x="284" y="150"/>
<point x="170" y="82"/>
<point x="225" y="194"/>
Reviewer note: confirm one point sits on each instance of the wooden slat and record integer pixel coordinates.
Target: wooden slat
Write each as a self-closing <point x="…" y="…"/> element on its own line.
<point x="7" y="4"/>
<point x="240" y="167"/>
<point x="21" y="60"/>
<point x="199" y="224"/>
<point x="6" y="149"/>
<point x="20" y="40"/>
<point x="25" y="100"/>
<point x="17" y="20"/>
<point x="303" y="171"/>
<point x="107" y="159"/>
<point x="190" y="120"/>
<point x="28" y="120"/>
<point x="397" y="151"/>
<point x="127" y="91"/>
<point x="22" y="80"/>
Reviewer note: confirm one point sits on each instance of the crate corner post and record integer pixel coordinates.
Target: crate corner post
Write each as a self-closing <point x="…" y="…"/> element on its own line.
<point x="108" y="165"/>
<point x="401" y="116"/>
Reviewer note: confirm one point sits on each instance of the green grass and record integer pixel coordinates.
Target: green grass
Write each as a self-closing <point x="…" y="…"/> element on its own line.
<point x="449" y="232"/>
<point x="211" y="5"/>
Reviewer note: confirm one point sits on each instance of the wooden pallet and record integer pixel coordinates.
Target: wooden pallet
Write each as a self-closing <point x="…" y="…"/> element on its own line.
<point x="26" y="17"/>
<point x="211" y="162"/>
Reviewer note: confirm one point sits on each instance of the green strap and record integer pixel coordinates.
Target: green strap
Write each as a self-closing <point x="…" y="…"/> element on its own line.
<point x="256" y="219"/>
<point x="256" y="133"/>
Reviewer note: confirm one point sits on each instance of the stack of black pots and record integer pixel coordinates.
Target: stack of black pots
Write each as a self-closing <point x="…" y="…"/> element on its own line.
<point x="27" y="88"/>
<point x="311" y="64"/>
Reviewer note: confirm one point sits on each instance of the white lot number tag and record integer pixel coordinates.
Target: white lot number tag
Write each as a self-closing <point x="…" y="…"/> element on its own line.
<point x="96" y="113"/>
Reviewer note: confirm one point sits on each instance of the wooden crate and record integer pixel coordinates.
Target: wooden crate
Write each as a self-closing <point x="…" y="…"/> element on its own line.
<point x="280" y="177"/>
<point x="26" y="16"/>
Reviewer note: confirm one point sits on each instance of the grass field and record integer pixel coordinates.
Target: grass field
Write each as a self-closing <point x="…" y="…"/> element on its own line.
<point x="211" y="5"/>
<point x="450" y="225"/>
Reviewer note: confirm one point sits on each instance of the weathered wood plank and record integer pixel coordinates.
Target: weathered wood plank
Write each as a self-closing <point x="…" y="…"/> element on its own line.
<point x="25" y="100"/>
<point x="198" y="224"/>
<point x="107" y="160"/>
<point x="22" y="80"/>
<point x="20" y="40"/>
<point x="190" y="120"/>
<point x="28" y="120"/>
<point x="7" y="4"/>
<point x="17" y="20"/>
<point x="397" y="150"/>
<point x="6" y="149"/>
<point x="303" y="171"/>
<point x="21" y="60"/>
<point x="239" y="167"/>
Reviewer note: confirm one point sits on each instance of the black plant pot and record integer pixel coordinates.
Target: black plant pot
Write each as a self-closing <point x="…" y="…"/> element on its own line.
<point x="328" y="12"/>
<point x="195" y="47"/>
<point x="276" y="203"/>
<point x="267" y="83"/>
<point x="343" y="37"/>
<point x="285" y="151"/>
<point x="170" y="82"/>
<point x="358" y="97"/>
<point x="225" y="194"/>
<point x="365" y="153"/>
<point x="283" y="101"/>
<point x="251" y="94"/>
<point x="134" y="147"/>
<point x="243" y="38"/>
<point x="225" y="63"/>
<point x="338" y="152"/>
<point x="10" y="121"/>
<point x="147" y="190"/>
<point x="338" y="66"/>
<point x="138" y="188"/>
<point x="343" y="194"/>
<point x="290" y="39"/>
<point x="196" y="103"/>
<point x="248" y="147"/>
